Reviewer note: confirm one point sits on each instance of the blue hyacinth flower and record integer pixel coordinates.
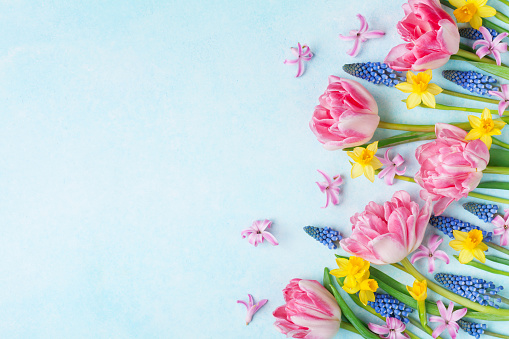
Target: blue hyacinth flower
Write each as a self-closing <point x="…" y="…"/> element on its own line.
<point x="388" y="306"/>
<point x="472" y="328"/>
<point x="472" y="81"/>
<point x="485" y="212"/>
<point x="447" y="225"/>
<point x="477" y="290"/>
<point x="375" y="72"/>
<point x="326" y="235"/>
<point x="475" y="34"/>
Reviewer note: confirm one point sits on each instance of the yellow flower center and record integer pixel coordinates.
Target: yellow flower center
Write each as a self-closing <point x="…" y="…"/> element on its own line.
<point x="473" y="239"/>
<point x="355" y="266"/>
<point x="465" y="13"/>
<point x="366" y="157"/>
<point x="420" y="83"/>
<point x="487" y="125"/>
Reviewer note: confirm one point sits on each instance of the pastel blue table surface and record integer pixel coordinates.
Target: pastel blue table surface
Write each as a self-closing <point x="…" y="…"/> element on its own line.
<point x="137" y="140"/>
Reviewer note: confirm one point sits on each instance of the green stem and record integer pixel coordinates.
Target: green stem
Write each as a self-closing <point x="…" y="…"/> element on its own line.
<point x="472" y="56"/>
<point x="450" y="295"/>
<point x="499" y="143"/>
<point x="399" y="139"/>
<point x="496" y="335"/>
<point x="498" y="260"/>
<point x="498" y="248"/>
<point x="349" y="327"/>
<point x="496" y="170"/>
<point x="470" y="97"/>
<point x="502" y="17"/>
<point x="418" y="128"/>
<point x="485" y="267"/>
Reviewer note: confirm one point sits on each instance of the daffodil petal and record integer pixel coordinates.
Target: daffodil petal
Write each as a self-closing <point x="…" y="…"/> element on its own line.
<point x="474" y="134"/>
<point x="428" y="99"/>
<point x="458" y="3"/>
<point x="434" y="89"/>
<point x="486" y="138"/>
<point x="405" y="87"/>
<point x="476" y="21"/>
<point x="369" y="172"/>
<point x="413" y="100"/>
<point x="357" y="170"/>
<point x="475" y="122"/>
<point x="465" y="257"/>
<point x="486" y="11"/>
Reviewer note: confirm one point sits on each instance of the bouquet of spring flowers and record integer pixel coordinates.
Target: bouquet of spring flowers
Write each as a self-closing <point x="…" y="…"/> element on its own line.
<point x="390" y="235"/>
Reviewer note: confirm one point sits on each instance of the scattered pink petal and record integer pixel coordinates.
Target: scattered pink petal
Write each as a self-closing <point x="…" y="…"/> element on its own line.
<point x="330" y="187"/>
<point x="303" y="53"/>
<point x="393" y="329"/>
<point x="391" y="167"/>
<point x="251" y="307"/>
<point x="360" y="36"/>
<point x="504" y="98"/>
<point x="447" y="319"/>
<point x="431" y="253"/>
<point x="490" y="45"/>
<point x="257" y="233"/>
<point x="502" y="227"/>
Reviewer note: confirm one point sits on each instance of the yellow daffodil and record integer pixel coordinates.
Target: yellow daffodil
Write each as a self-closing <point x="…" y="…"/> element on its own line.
<point x="472" y="11"/>
<point x="365" y="161"/>
<point x="365" y="286"/>
<point x="420" y="89"/>
<point x="419" y="291"/>
<point x="484" y="127"/>
<point x="354" y="266"/>
<point x="470" y="245"/>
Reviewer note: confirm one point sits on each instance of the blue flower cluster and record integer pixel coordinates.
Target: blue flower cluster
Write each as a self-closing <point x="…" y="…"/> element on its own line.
<point x="477" y="290"/>
<point x="447" y="225"/>
<point x="388" y="306"/>
<point x="473" y="81"/>
<point x="375" y="72"/>
<point x="475" y="34"/>
<point x="325" y="235"/>
<point x="485" y="212"/>
<point x="474" y="329"/>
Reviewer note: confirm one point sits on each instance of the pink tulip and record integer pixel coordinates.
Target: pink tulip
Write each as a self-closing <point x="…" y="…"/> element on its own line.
<point x="347" y="115"/>
<point x="310" y="312"/>
<point x="451" y="166"/>
<point x="431" y="35"/>
<point x="386" y="234"/>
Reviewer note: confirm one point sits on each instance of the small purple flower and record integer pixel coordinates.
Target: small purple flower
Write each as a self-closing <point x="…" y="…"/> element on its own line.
<point x="330" y="187"/>
<point x="502" y="227"/>
<point x="490" y="45"/>
<point x="447" y="319"/>
<point x="256" y="233"/>
<point x="431" y="253"/>
<point x="252" y="308"/>
<point x="391" y="167"/>
<point x="393" y="329"/>
<point x="302" y="53"/>
<point x="504" y="98"/>
<point x="362" y="35"/>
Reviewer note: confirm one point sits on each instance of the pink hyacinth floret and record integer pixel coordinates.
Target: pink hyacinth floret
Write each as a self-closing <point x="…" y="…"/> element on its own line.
<point x="360" y="36"/>
<point x="257" y="233"/>
<point x="392" y="329"/>
<point x="391" y="167"/>
<point x="491" y="46"/>
<point x="431" y="253"/>
<point x="330" y="187"/>
<point x="502" y="227"/>
<point x="303" y="53"/>
<point x="447" y="320"/>
<point x="251" y="307"/>
<point x="504" y="98"/>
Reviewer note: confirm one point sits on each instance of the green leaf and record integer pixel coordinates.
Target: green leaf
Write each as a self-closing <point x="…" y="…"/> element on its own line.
<point x="499" y="185"/>
<point x="499" y="157"/>
<point x="352" y="318"/>
<point x="399" y="139"/>
<point x="497" y="260"/>
<point x="326" y="279"/>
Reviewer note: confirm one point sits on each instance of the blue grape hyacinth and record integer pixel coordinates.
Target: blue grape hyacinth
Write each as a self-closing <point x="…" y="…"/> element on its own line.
<point x="388" y="306"/>
<point x="475" y="34"/>
<point x="485" y="212"/>
<point x="472" y="328"/>
<point x="447" y="225"/>
<point x="472" y="81"/>
<point x="375" y="72"/>
<point x="325" y="235"/>
<point x="477" y="290"/>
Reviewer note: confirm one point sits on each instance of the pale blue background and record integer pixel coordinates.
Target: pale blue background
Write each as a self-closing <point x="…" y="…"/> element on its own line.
<point x="137" y="140"/>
